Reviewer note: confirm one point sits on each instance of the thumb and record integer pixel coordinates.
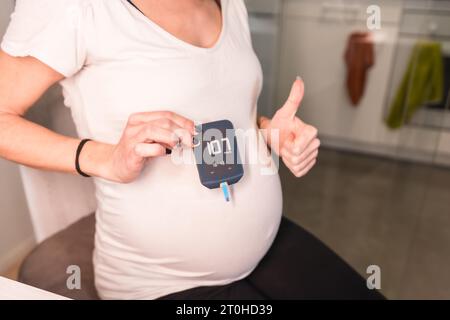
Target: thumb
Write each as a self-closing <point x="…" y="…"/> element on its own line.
<point x="295" y="98"/>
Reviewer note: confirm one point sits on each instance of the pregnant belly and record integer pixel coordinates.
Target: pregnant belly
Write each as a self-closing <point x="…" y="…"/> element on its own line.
<point x="169" y="222"/>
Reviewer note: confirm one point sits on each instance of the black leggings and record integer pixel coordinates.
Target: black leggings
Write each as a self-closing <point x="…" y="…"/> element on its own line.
<point x="297" y="266"/>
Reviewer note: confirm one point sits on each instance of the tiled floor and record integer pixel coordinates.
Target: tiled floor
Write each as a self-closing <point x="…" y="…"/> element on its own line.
<point x="376" y="211"/>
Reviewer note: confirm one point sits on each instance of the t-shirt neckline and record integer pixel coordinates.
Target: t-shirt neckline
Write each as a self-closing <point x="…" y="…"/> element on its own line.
<point x="188" y="45"/>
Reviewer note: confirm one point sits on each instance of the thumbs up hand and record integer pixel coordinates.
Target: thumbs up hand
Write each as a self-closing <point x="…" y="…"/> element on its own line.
<point x="298" y="144"/>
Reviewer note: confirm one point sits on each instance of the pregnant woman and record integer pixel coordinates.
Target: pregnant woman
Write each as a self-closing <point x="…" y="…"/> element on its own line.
<point x="133" y="74"/>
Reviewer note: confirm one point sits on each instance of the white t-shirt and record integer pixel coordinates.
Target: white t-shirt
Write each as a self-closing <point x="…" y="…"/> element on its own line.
<point x="164" y="232"/>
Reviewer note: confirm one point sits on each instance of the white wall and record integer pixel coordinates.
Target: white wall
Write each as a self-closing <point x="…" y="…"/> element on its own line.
<point x="264" y="24"/>
<point x="16" y="232"/>
<point x="6" y="7"/>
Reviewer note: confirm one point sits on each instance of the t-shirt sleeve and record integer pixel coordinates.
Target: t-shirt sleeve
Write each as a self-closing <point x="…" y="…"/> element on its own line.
<point x="52" y="31"/>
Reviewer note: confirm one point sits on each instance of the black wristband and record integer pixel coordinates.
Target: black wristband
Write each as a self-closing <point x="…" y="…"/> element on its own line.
<point x="77" y="158"/>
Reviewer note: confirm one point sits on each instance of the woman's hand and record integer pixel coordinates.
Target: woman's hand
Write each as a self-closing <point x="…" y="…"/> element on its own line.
<point x="147" y="135"/>
<point x="298" y="144"/>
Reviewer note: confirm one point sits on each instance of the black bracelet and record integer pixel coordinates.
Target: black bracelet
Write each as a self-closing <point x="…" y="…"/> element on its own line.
<point x="77" y="158"/>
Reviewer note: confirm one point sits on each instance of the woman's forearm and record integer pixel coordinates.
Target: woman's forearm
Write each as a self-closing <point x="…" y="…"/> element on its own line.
<point x="32" y="145"/>
<point x="22" y="82"/>
<point x="146" y="135"/>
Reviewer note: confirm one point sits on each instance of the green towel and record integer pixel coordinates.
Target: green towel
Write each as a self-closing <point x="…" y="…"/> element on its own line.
<point x="422" y="83"/>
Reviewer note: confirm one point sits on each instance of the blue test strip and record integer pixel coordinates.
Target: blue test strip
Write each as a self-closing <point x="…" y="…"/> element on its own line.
<point x="226" y="191"/>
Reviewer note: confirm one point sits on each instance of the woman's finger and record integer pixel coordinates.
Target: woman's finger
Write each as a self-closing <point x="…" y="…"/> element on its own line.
<point x="311" y="148"/>
<point x="144" y="117"/>
<point x="302" y="165"/>
<point x="288" y="148"/>
<point x="304" y="135"/>
<point x="154" y="134"/>
<point x="298" y="165"/>
<point x="149" y="150"/>
<point x="304" y="171"/>
<point x="303" y="138"/>
<point x="180" y="132"/>
<point x="295" y="158"/>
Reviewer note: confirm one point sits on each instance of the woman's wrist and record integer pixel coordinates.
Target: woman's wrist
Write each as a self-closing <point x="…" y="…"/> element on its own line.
<point x="96" y="160"/>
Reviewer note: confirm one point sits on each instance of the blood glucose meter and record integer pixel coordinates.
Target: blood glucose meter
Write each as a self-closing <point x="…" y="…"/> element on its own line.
<point x="217" y="156"/>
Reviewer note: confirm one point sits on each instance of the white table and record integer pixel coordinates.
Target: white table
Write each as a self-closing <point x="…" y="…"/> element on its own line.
<point x="13" y="290"/>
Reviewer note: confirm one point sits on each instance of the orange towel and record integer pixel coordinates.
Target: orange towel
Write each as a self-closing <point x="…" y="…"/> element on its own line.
<point x="359" y="57"/>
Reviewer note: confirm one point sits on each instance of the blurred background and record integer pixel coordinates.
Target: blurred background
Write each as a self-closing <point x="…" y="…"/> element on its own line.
<point x="379" y="95"/>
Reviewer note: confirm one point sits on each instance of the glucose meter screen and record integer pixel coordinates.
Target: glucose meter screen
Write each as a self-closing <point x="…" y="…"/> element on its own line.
<point x="216" y="151"/>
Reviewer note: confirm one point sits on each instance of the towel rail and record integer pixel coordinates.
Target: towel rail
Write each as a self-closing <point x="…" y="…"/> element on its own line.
<point x="425" y="35"/>
<point x="431" y="11"/>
